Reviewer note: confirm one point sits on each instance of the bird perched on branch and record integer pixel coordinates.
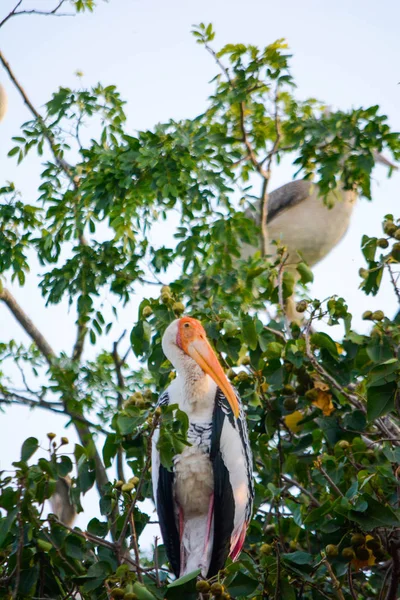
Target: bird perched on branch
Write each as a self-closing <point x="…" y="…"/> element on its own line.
<point x="3" y="102"/>
<point x="204" y="504"/>
<point x="308" y="227"/>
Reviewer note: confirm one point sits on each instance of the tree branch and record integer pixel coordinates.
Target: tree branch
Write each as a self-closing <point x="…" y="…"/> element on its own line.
<point x="14" y="398"/>
<point x="27" y="325"/>
<point x="64" y="166"/>
<point x="303" y="489"/>
<point x="51" y="13"/>
<point x="82" y="428"/>
<point x="394" y="283"/>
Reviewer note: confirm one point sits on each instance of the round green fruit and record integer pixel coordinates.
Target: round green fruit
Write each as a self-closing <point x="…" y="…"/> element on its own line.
<point x="202" y="586"/>
<point x="290" y="404"/>
<point x="389" y="227"/>
<point x="117" y="593"/>
<point x="147" y="311"/>
<point x="301" y="306"/>
<point x="178" y="308"/>
<point x="332" y="551"/>
<point x="362" y="553"/>
<point x="382" y="243"/>
<point x="216" y="589"/>
<point x="348" y="553"/>
<point x="266" y="549"/>
<point x="367" y="315"/>
<point x="344" y="444"/>
<point x="357" y="539"/>
<point x="373" y="545"/>
<point x="378" y="315"/>
<point x="166" y="298"/>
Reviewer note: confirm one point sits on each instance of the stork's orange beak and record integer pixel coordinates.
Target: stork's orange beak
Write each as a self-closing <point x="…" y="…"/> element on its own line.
<point x="194" y="342"/>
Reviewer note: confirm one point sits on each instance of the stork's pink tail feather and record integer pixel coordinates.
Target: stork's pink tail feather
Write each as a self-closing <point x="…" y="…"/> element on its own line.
<point x="237" y="544"/>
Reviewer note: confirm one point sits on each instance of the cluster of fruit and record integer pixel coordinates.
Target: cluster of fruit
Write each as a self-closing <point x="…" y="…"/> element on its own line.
<point x="363" y="548"/>
<point x="167" y="298"/>
<point x="216" y="590"/>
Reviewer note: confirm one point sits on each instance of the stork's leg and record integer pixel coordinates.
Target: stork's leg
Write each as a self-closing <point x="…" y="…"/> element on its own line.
<point x="208" y="528"/>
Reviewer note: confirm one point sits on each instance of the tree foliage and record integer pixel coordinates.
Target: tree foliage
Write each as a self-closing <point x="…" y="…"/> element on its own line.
<point x="323" y="413"/>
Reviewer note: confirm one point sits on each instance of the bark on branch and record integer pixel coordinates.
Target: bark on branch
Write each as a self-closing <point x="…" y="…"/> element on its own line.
<point x="28" y="325"/>
<point x="64" y="166"/>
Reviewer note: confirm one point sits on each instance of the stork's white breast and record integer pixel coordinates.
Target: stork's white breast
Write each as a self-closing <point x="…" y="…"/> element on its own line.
<point x="194" y="481"/>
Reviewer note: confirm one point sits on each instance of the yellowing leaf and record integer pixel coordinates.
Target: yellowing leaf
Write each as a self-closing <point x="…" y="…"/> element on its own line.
<point x="362" y="564"/>
<point x="292" y="421"/>
<point x="324" y="402"/>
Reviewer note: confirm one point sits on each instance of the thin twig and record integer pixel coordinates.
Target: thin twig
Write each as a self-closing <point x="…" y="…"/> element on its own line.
<point x="350" y="582"/>
<point x="280" y="293"/>
<point x="302" y="488"/>
<point x="335" y="581"/>
<point x="318" y="465"/>
<point x="11" y="14"/>
<point x="134" y="544"/>
<point x="13" y="398"/>
<point x="392" y="279"/>
<point x="64" y="166"/>
<point x="143" y="474"/>
<point x="51" y="13"/>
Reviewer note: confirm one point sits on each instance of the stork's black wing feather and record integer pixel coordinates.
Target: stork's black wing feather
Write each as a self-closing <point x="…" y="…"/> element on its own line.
<point x="166" y="517"/>
<point x="163" y="496"/>
<point x="224" y="504"/>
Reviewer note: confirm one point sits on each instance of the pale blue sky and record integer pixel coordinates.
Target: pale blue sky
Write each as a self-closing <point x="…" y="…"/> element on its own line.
<point x="345" y="53"/>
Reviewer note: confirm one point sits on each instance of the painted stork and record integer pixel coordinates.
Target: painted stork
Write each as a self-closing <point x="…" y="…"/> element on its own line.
<point x="204" y="504"/>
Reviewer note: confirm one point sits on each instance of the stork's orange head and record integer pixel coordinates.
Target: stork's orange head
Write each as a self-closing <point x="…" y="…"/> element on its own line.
<point x="192" y="339"/>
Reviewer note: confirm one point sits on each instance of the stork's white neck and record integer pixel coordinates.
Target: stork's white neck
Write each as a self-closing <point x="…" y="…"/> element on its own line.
<point x="193" y="389"/>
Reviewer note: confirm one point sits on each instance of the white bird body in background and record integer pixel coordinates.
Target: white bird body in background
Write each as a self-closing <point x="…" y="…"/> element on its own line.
<point x="298" y="217"/>
<point x="204" y="504"/>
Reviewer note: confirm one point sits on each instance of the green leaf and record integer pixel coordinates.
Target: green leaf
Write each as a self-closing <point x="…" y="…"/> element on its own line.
<point x="184" y="587"/>
<point x="185" y="578"/>
<point x="249" y="332"/>
<point x="29" y="447"/>
<point x="299" y="557"/>
<point x="243" y="585"/>
<point x="380" y="400"/>
<point x="377" y="515"/>
<point x="140" y="338"/>
<point x="142" y="592"/>
<point x="322" y="340"/>
<point x="5" y="524"/>
<point x="306" y="275"/>
<point x="97" y="527"/>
